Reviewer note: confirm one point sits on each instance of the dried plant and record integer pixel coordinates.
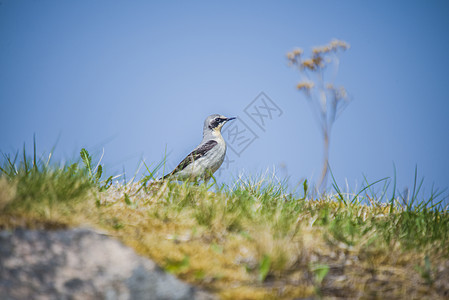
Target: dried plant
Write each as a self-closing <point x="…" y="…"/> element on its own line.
<point x="326" y="100"/>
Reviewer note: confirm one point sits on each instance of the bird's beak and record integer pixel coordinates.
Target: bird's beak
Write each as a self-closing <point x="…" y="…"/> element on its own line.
<point x="229" y="119"/>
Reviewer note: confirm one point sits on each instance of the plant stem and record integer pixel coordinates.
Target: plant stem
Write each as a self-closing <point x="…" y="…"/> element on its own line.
<point x="323" y="180"/>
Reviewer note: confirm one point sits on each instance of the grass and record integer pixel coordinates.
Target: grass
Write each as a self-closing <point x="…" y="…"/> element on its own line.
<point x="252" y="240"/>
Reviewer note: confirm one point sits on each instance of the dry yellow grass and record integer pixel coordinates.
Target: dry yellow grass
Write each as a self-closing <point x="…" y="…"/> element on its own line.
<point x="237" y="250"/>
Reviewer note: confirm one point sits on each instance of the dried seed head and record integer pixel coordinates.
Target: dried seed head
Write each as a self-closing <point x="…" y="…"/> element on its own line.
<point x="338" y="44"/>
<point x="308" y="64"/>
<point x="297" y="51"/>
<point x="305" y="85"/>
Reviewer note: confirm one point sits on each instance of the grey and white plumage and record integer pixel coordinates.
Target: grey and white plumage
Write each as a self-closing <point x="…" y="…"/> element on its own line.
<point x="207" y="157"/>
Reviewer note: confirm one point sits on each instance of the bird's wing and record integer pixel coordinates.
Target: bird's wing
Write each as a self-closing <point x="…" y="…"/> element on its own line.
<point x="194" y="155"/>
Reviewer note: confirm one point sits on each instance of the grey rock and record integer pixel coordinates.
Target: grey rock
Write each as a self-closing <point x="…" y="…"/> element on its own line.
<point x="81" y="264"/>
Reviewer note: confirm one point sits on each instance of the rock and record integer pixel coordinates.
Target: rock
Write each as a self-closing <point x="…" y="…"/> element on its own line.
<point x="81" y="264"/>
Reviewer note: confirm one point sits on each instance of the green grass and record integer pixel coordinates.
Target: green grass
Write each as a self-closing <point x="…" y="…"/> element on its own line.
<point x="37" y="186"/>
<point x="252" y="240"/>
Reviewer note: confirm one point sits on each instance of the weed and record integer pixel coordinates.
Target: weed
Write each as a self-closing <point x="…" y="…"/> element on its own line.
<point x="426" y="271"/>
<point x="264" y="267"/>
<point x="320" y="271"/>
<point x="95" y="173"/>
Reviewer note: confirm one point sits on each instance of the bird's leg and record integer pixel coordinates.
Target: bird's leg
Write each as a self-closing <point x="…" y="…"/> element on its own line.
<point x="207" y="175"/>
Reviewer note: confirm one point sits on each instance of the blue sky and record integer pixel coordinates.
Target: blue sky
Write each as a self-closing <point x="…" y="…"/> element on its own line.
<point x="139" y="77"/>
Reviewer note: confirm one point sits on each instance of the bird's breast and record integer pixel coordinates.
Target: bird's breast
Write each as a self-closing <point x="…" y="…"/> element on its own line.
<point x="216" y="157"/>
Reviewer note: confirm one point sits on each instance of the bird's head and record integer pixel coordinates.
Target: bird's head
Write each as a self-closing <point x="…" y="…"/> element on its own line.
<point x="215" y="122"/>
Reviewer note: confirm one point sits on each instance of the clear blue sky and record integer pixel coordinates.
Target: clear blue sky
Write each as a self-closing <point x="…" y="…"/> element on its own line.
<point x="135" y="77"/>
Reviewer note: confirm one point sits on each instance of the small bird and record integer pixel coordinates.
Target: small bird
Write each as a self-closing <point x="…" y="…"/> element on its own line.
<point x="202" y="162"/>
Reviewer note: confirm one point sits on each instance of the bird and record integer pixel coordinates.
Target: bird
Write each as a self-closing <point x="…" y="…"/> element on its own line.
<point x="207" y="157"/>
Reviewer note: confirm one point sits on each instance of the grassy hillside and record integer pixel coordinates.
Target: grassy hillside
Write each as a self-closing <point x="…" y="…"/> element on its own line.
<point x="253" y="240"/>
